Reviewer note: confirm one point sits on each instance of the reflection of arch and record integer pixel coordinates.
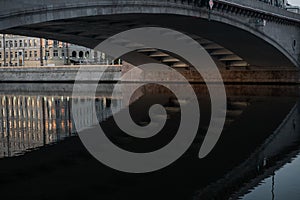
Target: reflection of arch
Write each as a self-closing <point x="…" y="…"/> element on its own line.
<point x="80" y="54"/>
<point x="74" y="54"/>
<point x="87" y="54"/>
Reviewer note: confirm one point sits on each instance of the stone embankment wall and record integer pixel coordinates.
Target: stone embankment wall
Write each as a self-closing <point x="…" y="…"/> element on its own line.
<point x="113" y="73"/>
<point x="59" y="74"/>
<point x="251" y="76"/>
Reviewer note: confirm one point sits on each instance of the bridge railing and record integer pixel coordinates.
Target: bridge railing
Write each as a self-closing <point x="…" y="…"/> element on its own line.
<point x="277" y="3"/>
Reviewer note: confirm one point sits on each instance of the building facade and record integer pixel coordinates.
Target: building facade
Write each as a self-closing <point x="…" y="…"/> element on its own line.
<point x="29" y="51"/>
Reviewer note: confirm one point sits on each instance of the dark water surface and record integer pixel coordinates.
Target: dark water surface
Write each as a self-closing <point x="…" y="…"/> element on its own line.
<point x="41" y="156"/>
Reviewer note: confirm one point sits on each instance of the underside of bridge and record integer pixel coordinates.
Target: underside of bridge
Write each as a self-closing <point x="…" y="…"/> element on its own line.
<point x="228" y="45"/>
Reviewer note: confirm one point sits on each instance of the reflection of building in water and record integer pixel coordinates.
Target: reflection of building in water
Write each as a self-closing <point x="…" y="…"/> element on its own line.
<point x="28" y="122"/>
<point x="103" y="107"/>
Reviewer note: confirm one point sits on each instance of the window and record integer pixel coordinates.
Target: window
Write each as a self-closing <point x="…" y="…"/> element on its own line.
<point x="55" y="43"/>
<point x="55" y="53"/>
<point x="62" y="53"/>
<point x="34" y="42"/>
<point x="47" y="53"/>
<point x="16" y="43"/>
<point x="25" y="54"/>
<point x="74" y="54"/>
<point x="6" y="44"/>
<point x="25" y="43"/>
<point x="102" y="56"/>
<point x="0" y="55"/>
<point x="20" y="43"/>
<point x="6" y="54"/>
<point x="35" y="54"/>
<point x="16" y="54"/>
<point x="0" y="44"/>
<point x="80" y="54"/>
<point x="30" y="43"/>
<point x="87" y="54"/>
<point x="30" y="54"/>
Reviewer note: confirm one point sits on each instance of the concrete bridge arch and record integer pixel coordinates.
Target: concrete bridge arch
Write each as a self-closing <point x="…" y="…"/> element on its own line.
<point x="261" y="34"/>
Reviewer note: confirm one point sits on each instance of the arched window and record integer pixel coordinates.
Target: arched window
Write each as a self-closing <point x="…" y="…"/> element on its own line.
<point x="74" y="54"/>
<point x="87" y="54"/>
<point x="80" y="54"/>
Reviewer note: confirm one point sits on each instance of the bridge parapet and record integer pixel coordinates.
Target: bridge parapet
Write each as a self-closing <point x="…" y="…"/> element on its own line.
<point x="264" y="9"/>
<point x="11" y="7"/>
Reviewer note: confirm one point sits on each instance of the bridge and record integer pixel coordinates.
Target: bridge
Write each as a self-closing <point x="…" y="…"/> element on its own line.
<point x="234" y="32"/>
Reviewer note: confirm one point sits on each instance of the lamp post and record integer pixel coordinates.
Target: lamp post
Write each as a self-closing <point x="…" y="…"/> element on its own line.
<point x="67" y="53"/>
<point x="10" y="45"/>
<point x="4" y="49"/>
<point x="64" y="54"/>
<point x="41" y="52"/>
<point x="46" y="52"/>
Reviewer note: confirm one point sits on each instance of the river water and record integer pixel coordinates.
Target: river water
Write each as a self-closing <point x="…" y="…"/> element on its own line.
<point x="41" y="156"/>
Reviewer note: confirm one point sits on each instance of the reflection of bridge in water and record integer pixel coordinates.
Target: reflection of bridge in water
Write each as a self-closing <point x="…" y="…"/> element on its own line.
<point x="256" y="153"/>
<point x="31" y="121"/>
<point x="277" y="150"/>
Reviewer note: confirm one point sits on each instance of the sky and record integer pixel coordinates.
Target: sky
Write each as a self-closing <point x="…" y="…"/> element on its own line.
<point x="294" y="2"/>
